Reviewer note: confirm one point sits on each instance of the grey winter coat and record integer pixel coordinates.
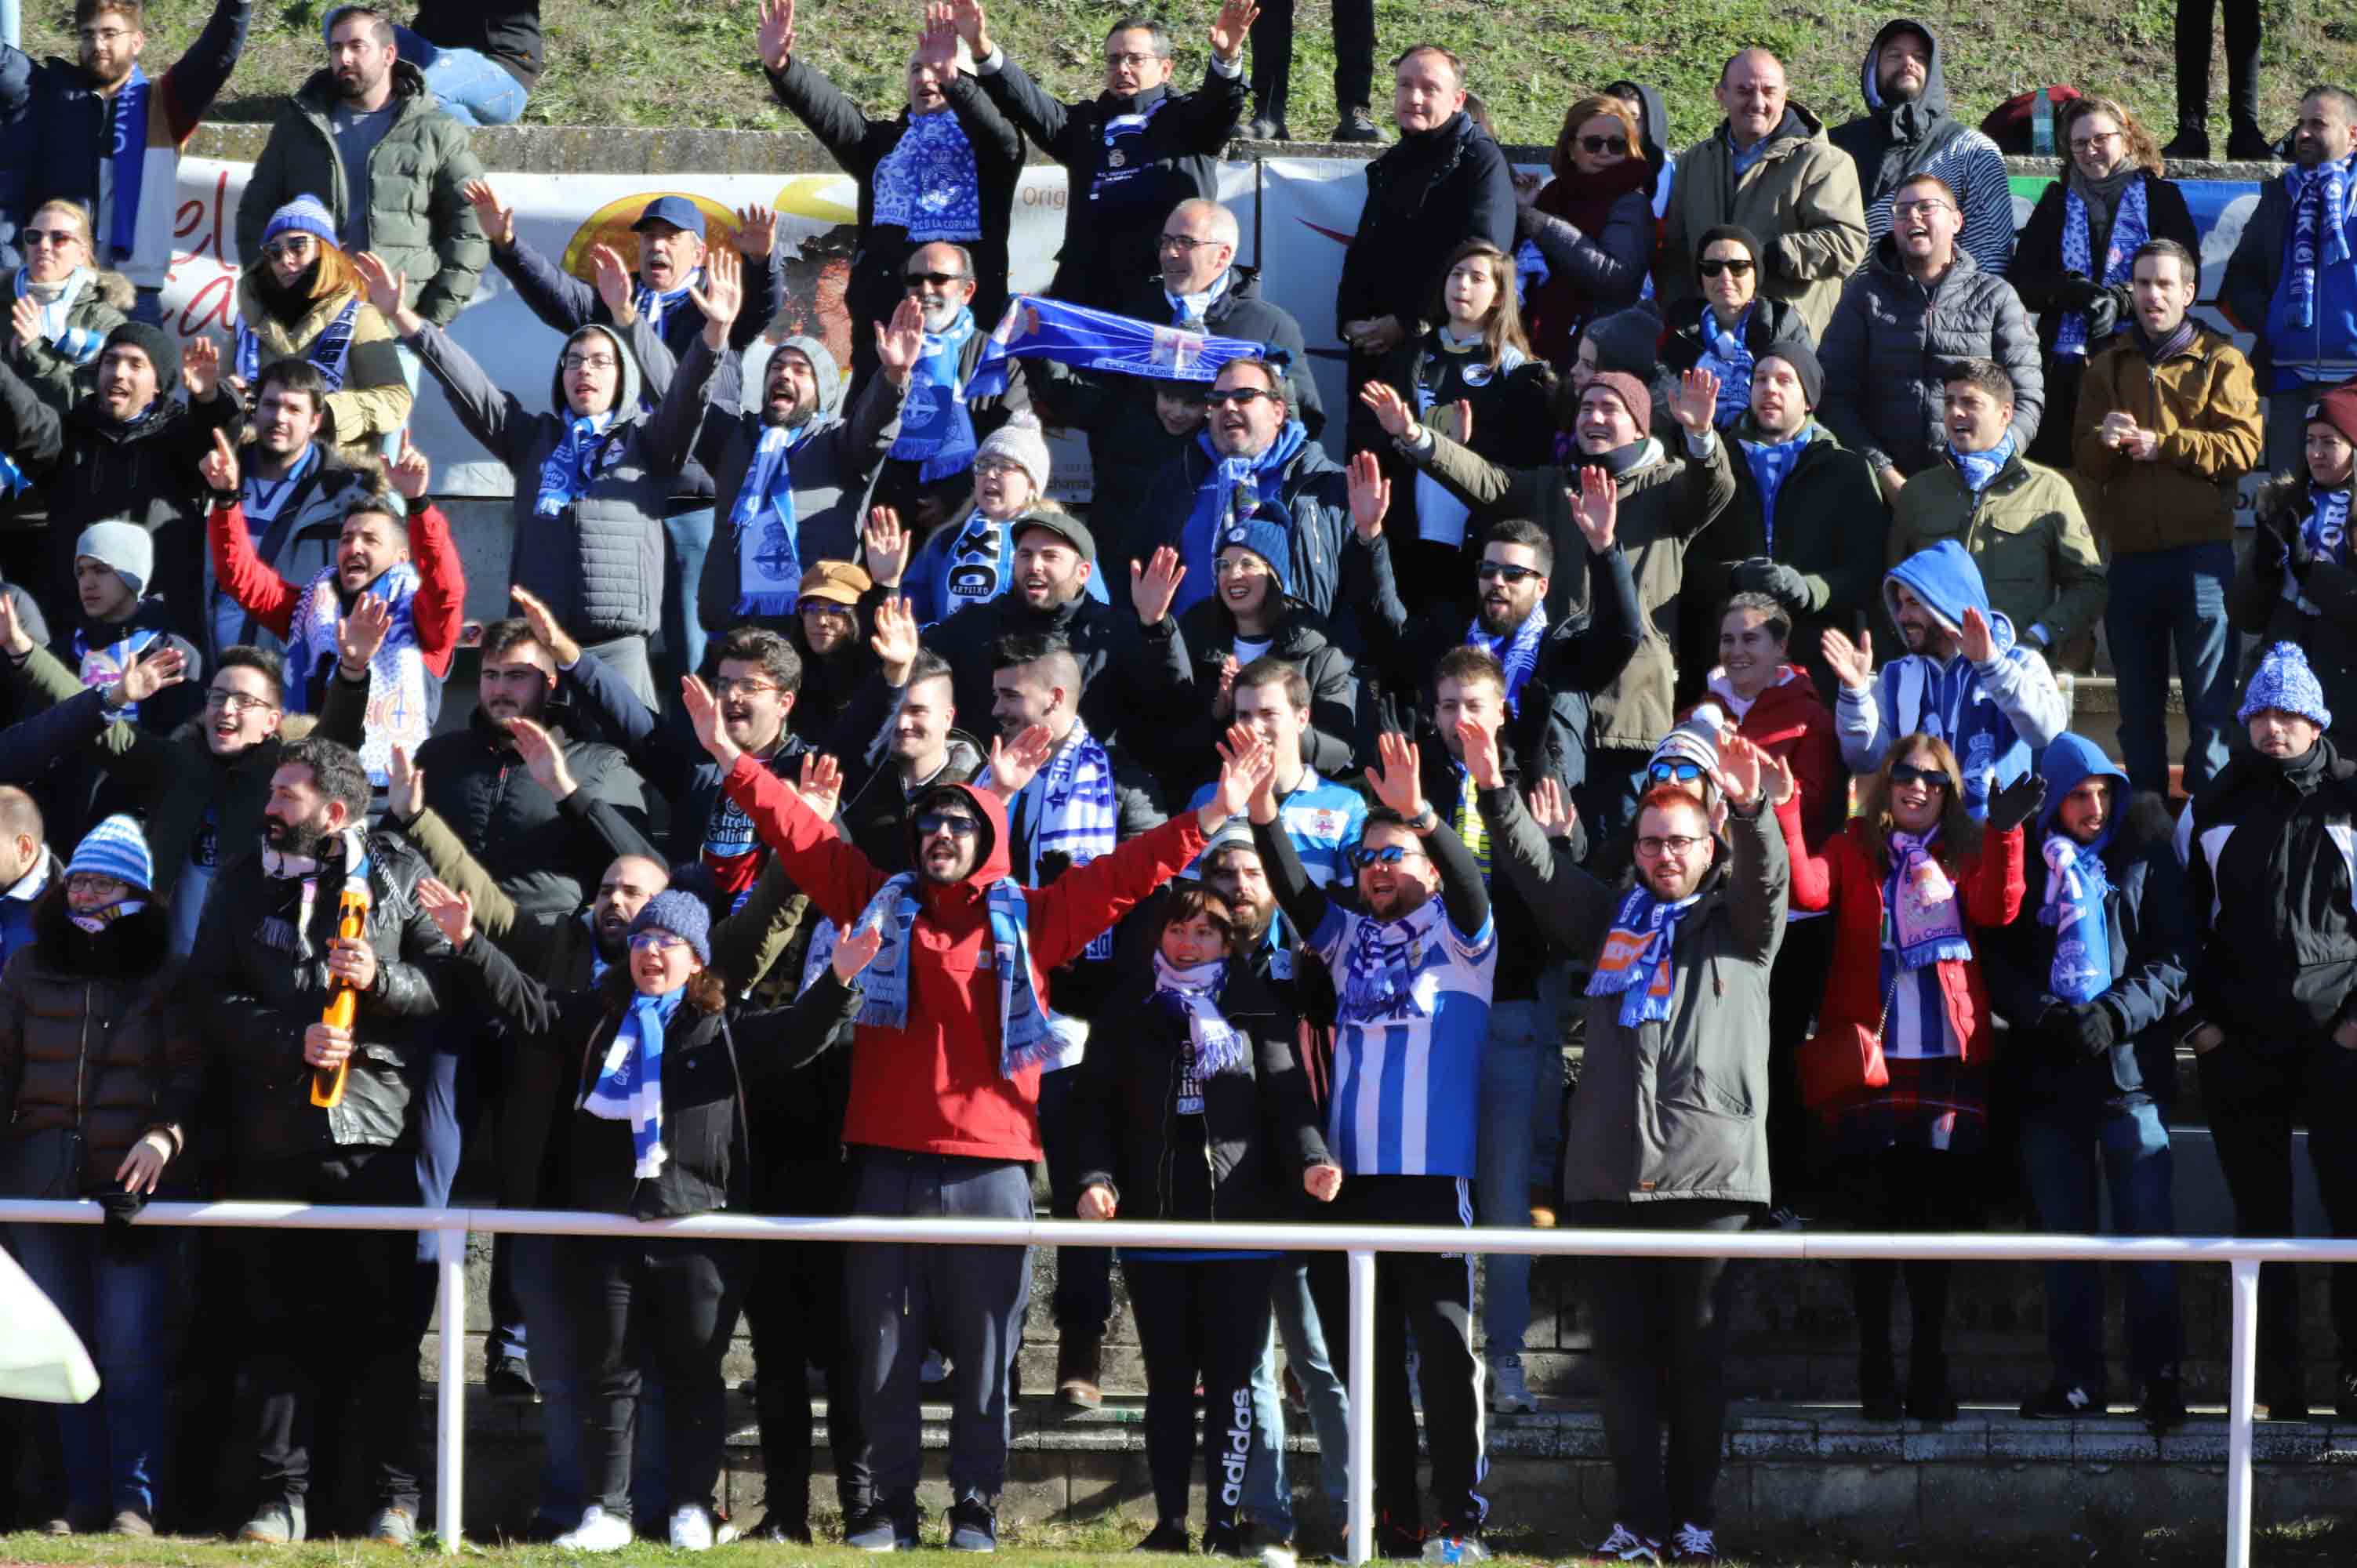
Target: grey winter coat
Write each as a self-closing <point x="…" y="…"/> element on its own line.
<point x="1677" y="1108"/>
<point x="1891" y="342"/>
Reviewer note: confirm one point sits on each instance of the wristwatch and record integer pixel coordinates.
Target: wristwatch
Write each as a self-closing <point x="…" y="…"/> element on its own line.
<point x="1424" y="821"/>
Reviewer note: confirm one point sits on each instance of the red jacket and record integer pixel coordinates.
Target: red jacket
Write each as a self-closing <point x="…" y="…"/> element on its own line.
<point x="1788" y="721"/>
<point x="438" y="611"/>
<point x="1846" y="879"/>
<point x="935" y="1086"/>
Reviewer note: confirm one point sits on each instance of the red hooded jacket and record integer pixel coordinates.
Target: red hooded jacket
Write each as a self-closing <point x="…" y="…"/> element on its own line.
<point x="935" y="1086"/>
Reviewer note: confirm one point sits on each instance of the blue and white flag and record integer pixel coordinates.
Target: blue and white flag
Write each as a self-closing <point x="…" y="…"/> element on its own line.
<point x="1037" y="328"/>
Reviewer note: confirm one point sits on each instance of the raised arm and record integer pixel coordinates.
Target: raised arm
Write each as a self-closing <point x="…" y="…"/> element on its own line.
<point x="561" y="300"/>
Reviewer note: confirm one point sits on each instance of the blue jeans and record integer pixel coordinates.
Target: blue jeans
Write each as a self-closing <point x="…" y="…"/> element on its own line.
<point x="2160" y="599"/>
<point x="539" y="1287"/>
<point x="689" y="537"/>
<point x="2061" y="1147"/>
<point x="12" y="24"/>
<point x="473" y="89"/>
<point x="1522" y="1091"/>
<point x="121" y="1293"/>
<point x="1267" y="1496"/>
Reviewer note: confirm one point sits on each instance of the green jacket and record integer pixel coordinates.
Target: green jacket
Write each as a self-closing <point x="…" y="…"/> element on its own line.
<point x="2025" y="533"/>
<point x="102" y="305"/>
<point x="418" y="222"/>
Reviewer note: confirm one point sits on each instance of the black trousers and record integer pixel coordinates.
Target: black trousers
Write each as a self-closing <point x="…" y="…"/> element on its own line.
<point x="1433" y="1294"/>
<point x="2252" y="1098"/>
<point x="793" y="1303"/>
<point x="1272" y="56"/>
<point x="679" y="1299"/>
<point x="1908" y="1186"/>
<point x="329" y="1316"/>
<point x="1796" y="983"/>
<point x="2193" y="61"/>
<point x="1660" y="1336"/>
<point x="1207" y="1319"/>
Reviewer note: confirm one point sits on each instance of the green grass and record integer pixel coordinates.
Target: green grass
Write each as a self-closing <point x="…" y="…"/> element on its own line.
<point x="690" y="62"/>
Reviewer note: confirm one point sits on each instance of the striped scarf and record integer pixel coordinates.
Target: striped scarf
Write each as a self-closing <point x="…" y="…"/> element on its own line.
<point x="2076" y="884"/>
<point x="1727" y="355"/>
<point x="396" y="712"/>
<point x="328" y="352"/>
<point x="1078" y="811"/>
<point x="589" y="449"/>
<point x="2320" y="231"/>
<point x="1518" y="651"/>
<point x="1634" y="963"/>
<point x="655" y="304"/>
<point x="1380" y="968"/>
<point x="101" y="666"/>
<point x="936" y="429"/>
<point x="769" y="553"/>
<point x="2130" y="229"/>
<point x="1922" y="923"/>
<point x="1194" y="991"/>
<point x="1025" y="1040"/>
<point x="630" y="1084"/>
<point x="77" y="345"/>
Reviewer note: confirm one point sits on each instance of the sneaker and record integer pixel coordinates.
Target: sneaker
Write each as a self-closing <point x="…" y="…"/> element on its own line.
<point x="393" y="1527"/>
<point x="1509" y="1394"/>
<point x="509" y="1380"/>
<point x="2064" y="1402"/>
<point x="1080" y="1364"/>
<point x="888" y="1527"/>
<point x="1357" y="126"/>
<point x="1625" y="1545"/>
<point x="2189" y="144"/>
<point x="597" y="1531"/>
<point x="58" y="1527"/>
<point x="278" y="1523"/>
<point x="780" y="1530"/>
<point x="973" y="1526"/>
<point x="2164" y="1403"/>
<point x="1693" y="1544"/>
<point x="1171" y="1535"/>
<point x="692" y="1529"/>
<point x="133" y="1521"/>
<point x="1454" y="1543"/>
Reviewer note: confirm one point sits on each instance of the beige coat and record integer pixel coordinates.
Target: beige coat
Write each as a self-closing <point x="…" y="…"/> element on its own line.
<point x="374" y="400"/>
<point x="1801" y="199"/>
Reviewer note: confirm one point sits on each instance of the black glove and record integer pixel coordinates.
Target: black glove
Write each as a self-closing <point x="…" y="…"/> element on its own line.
<point x="1778" y="581"/>
<point x="2079" y="293"/>
<point x="2088" y="1028"/>
<point x="2104" y="313"/>
<point x="2015" y="803"/>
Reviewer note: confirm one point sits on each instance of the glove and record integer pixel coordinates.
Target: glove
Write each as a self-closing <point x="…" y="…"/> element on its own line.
<point x="2103" y="316"/>
<point x="2015" y="803"/>
<point x="2081" y="293"/>
<point x="2088" y="1028"/>
<point x="1778" y="581"/>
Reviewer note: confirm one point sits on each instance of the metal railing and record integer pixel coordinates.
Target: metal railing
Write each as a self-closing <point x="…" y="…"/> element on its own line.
<point x="451" y="1226"/>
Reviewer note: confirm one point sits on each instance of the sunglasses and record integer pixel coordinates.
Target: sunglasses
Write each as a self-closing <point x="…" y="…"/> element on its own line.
<point x="1487" y="570"/>
<point x="1672" y="772"/>
<point x="1243" y="397"/>
<point x="1390" y="855"/>
<point x="1711" y="269"/>
<point x="1595" y="147"/>
<point x="930" y="280"/>
<point x="933" y="822"/>
<point x="33" y="237"/>
<point x="1908" y="773"/>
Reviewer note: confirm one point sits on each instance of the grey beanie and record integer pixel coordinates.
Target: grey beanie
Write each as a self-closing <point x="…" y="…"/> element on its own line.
<point x="125" y="548"/>
<point x="1020" y="442"/>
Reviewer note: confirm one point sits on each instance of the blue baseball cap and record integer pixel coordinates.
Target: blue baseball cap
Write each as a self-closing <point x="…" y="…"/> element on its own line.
<point x="677" y="210"/>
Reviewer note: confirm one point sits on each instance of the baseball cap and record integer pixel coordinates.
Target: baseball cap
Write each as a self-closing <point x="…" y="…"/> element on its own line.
<point x="677" y="210"/>
<point x="1070" y="530"/>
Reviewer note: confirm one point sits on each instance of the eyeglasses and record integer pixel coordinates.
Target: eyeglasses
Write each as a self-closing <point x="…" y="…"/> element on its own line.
<point x="1390" y="855"/>
<point x="744" y="685"/>
<point x="588" y="361"/>
<point x="1926" y="208"/>
<point x="33" y="237"/>
<point x="1908" y="773"/>
<point x="1715" y="265"/>
<point x="91" y="882"/>
<point x="1241" y="564"/>
<point x="1243" y="397"/>
<point x="1489" y="570"/>
<point x="1596" y="146"/>
<point x="811" y="607"/>
<point x="1132" y="60"/>
<point x="994" y="464"/>
<point x="292" y="245"/>
<point x="1672" y="772"/>
<point x="236" y="703"/>
<point x="1654" y="847"/>
<point x="929" y="280"/>
<point x="104" y="35"/>
<point x="936" y="823"/>
<point x="2081" y="143"/>
<point x="656" y="943"/>
<point x="1187" y="245"/>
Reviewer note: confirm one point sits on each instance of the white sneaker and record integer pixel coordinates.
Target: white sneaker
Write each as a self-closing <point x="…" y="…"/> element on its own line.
<point x="691" y="1530"/>
<point x="599" y="1531"/>
<point x="1625" y="1545"/>
<point x="1509" y="1394"/>
<point x="1695" y="1544"/>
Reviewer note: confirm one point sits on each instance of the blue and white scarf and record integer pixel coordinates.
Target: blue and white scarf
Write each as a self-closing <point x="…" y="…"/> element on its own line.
<point x="768" y="550"/>
<point x="1634" y="962"/>
<point x="630" y="1084"/>
<point x="2326" y="536"/>
<point x="2320" y="231"/>
<point x="328" y="352"/>
<point x="1196" y="308"/>
<point x="2130" y="229"/>
<point x="655" y="304"/>
<point x="396" y="713"/>
<point x="2075" y="885"/>
<point x="1025" y="1040"/>
<point x="1124" y="158"/>
<point x="936" y="429"/>
<point x="1531" y="271"/>
<point x="590" y="448"/>
<point x="1922" y="921"/>
<point x="1772" y="463"/>
<point x="126" y="162"/>
<point x="1380" y="968"/>
<point x="1518" y="651"/>
<point x="102" y="667"/>
<point x="76" y="345"/>
<point x="1229" y="491"/>
<point x="927" y="183"/>
<point x="1218" y="1046"/>
<point x="1977" y="469"/>
<point x="1037" y="328"/>
<point x="1725" y="355"/>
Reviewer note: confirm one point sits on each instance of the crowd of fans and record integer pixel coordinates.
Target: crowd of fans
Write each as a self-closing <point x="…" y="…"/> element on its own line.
<point x="831" y="782"/>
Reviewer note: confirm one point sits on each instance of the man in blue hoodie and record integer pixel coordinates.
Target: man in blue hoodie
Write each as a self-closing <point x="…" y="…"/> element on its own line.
<point x="1964" y="678"/>
<point x="2090" y="976"/>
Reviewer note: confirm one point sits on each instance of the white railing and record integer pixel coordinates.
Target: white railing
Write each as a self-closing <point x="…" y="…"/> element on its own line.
<point x="452" y="1225"/>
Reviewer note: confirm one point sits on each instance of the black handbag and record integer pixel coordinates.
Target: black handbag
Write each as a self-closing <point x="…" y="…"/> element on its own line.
<point x="42" y="1165"/>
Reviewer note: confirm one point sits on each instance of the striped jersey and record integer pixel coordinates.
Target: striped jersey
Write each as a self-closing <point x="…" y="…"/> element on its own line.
<point x="1323" y="819"/>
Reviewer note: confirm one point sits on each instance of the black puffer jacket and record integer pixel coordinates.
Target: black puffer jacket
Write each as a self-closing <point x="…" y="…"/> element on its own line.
<point x="2269" y="876"/>
<point x="1259" y="1131"/>
<point x="259" y="983"/>
<point x="1428" y="194"/>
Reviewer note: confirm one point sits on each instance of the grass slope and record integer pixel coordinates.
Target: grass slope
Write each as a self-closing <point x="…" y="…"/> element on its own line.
<point x="690" y="62"/>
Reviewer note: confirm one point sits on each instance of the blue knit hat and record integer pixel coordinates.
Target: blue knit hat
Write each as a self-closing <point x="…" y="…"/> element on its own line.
<point x="1267" y="533"/>
<point x="683" y="915"/>
<point x="306" y="214"/>
<point x="116" y="848"/>
<point x="2286" y="685"/>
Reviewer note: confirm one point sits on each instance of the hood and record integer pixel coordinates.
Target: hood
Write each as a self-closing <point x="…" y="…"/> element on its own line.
<point x="1909" y="121"/>
<point x="1718" y="685"/>
<point x="2069" y="761"/>
<point x="824" y="367"/>
<point x="1797" y="125"/>
<point x="993" y="865"/>
<point x="1945" y="578"/>
<point x="1653" y="124"/>
<point x="625" y="396"/>
<point x="150" y="614"/>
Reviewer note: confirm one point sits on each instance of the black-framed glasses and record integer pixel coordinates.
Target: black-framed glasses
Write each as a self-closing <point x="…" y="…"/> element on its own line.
<point x="1187" y="245"/>
<point x="1653" y="846"/>
<point x="930" y="280"/>
<point x="1908" y="773"/>
<point x="2081" y="143"/>
<point x="1672" y="772"/>
<point x="1489" y="571"/>
<point x="236" y="703"/>
<point x="1710" y="267"/>
<point x="1596" y="146"/>
<point x="1362" y="857"/>
<point x="588" y="361"/>
<point x="933" y="822"/>
<point x="1243" y="397"/>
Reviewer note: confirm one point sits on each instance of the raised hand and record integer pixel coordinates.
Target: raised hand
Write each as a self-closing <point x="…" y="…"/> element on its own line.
<point x="1153" y="585"/>
<point x="1978" y="642"/>
<point x="855" y="951"/>
<point x="1457" y="421"/>
<point x="409" y="474"/>
<point x="1779" y="783"/>
<point x="452" y="912"/>
<point x="721" y="297"/>
<point x="14" y="638"/>
<point x="1597" y="507"/>
<point x="386" y="289"/>
<point x="774" y="37"/>
<point x="937" y="44"/>
<point x="1371" y="497"/>
<point x="757" y="231"/>
<point x="2016" y="803"/>
<point x="1397" y="779"/>
<point x="1014" y="763"/>
<point x="615" y="285"/>
<point x="219" y="467"/>
<point x="972" y="25"/>
<point x="546" y="630"/>
<point x="1852" y="662"/>
<point x="902" y="340"/>
<point x="27" y="316"/>
<point x="360" y="634"/>
<point x="704" y="714"/>
<point x="404" y="785"/>
<point x="1246" y="765"/>
<point x="143" y="678"/>
<point x="886" y="544"/>
<point x="894" y="642"/>
<point x="1478" y="745"/>
<point x="1741" y="768"/>
<point x="201" y="368"/>
<point x="821" y="783"/>
<point x="1231" y="26"/>
<point x="1223" y="695"/>
<point x="496" y="217"/>
<point x="543" y="758"/>
<point x="1391" y="410"/>
<point x="1552" y="810"/>
<point x="1696" y="403"/>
